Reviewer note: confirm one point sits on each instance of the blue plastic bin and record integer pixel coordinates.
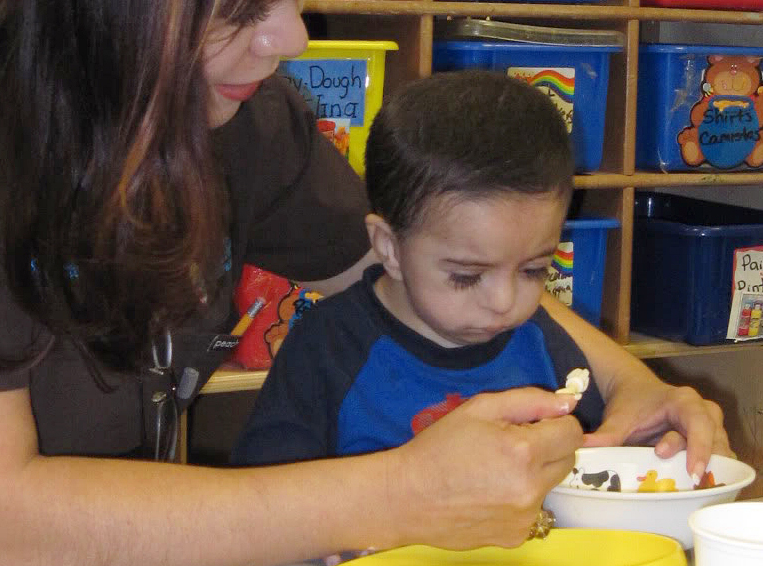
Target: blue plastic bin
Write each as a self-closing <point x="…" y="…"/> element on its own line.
<point x="683" y="254"/>
<point x="724" y="134"/>
<point x="575" y="75"/>
<point x="582" y="266"/>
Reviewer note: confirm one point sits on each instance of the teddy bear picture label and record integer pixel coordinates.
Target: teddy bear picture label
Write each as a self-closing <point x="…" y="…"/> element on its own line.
<point x="725" y="129"/>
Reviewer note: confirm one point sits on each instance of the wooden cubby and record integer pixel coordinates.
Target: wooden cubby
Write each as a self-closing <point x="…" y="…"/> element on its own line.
<point x="609" y="191"/>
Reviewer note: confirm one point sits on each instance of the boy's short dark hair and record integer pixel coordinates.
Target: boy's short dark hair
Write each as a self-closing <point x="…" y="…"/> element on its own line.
<point x="471" y="134"/>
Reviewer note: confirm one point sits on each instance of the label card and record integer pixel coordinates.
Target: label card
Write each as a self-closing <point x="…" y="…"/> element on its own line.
<point x="559" y="282"/>
<point x="332" y="88"/>
<point x="557" y="83"/>
<point x="747" y="295"/>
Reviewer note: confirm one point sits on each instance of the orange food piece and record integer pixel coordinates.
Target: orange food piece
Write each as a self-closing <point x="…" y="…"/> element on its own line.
<point x="707" y="481"/>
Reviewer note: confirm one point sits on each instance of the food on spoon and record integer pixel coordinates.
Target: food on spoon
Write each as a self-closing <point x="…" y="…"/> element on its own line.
<point x="577" y="383"/>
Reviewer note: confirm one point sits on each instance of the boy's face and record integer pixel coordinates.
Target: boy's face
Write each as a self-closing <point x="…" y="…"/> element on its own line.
<point x="475" y="268"/>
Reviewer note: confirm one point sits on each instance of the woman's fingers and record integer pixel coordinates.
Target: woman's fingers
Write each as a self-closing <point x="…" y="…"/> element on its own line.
<point x="669" y="444"/>
<point x="701" y="424"/>
<point x="612" y="432"/>
<point x="518" y="406"/>
<point x="479" y="475"/>
<point x="545" y="441"/>
<point x="556" y="437"/>
<point x="672" y="419"/>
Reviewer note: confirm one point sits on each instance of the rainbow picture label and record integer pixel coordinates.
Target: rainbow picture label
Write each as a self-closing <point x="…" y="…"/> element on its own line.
<point x="559" y="281"/>
<point x="562" y="260"/>
<point x="557" y="83"/>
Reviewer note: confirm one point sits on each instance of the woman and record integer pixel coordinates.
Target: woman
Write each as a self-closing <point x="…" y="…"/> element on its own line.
<point x="124" y="227"/>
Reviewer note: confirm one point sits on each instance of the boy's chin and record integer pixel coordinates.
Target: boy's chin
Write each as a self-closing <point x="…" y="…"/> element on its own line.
<point x="474" y="337"/>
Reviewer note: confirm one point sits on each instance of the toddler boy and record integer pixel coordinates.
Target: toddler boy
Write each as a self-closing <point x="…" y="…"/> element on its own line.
<point x="469" y="176"/>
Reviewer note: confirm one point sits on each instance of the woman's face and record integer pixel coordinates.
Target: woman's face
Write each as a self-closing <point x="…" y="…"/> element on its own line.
<point x="237" y="59"/>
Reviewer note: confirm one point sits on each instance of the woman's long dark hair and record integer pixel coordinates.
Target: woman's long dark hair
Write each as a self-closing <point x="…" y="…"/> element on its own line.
<point x="112" y="213"/>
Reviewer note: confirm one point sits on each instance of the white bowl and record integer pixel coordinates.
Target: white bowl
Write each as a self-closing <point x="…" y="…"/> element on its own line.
<point x="578" y="502"/>
<point x="731" y="533"/>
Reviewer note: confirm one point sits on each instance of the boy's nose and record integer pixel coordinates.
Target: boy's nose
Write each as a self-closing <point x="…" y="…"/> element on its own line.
<point x="500" y="299"/>
<point x="282" y="34"/>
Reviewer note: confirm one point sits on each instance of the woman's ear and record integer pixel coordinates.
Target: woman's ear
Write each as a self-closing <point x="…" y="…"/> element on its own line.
<point x="384" y="242"/>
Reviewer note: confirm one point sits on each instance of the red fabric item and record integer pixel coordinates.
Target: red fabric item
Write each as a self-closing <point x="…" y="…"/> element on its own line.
<point x="264" y="335"/>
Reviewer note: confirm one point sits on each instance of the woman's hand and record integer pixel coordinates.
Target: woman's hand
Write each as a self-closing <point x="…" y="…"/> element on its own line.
<point x="641" y="409"/>
<point x="479" y="475"/>
<point x="650" y="412"/>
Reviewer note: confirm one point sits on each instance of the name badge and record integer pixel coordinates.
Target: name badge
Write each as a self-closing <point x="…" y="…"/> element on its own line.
<point x="223" y="343"/>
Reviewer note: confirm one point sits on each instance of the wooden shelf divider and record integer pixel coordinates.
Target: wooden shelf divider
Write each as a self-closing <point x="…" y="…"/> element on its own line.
<point x="603" y="180"/>
<point x="600" y="12"/>
<point x="230" y="380"/>
<point x="647" y="347"/>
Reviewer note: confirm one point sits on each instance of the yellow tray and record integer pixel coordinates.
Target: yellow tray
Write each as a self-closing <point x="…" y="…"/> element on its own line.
<point x="562" y="547"/>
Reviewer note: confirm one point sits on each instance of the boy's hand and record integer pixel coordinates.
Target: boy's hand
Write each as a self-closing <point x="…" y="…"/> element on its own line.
<point x="479" y="475"/>
<point x="668" y="417"/>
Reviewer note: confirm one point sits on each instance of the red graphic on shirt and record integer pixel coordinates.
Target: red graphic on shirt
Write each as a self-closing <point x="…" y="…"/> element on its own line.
<point x="435" y="412"/>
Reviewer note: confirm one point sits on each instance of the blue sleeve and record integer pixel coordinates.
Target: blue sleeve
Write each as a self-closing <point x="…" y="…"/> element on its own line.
<point x="289" y="421"/>
<point x="566" y="356"/>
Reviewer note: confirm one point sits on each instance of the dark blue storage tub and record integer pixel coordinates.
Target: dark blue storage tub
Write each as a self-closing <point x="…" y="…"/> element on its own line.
<point x="683" y="254"/>
<point x="579" y="263"/>
<point x="571" y="65"/>
<point x="724" y="133"/>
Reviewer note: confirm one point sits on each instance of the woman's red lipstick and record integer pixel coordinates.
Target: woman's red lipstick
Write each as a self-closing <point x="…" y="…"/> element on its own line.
<point x="238" y="93"/>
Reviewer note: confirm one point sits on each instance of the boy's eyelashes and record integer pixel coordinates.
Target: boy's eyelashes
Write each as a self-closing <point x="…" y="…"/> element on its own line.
<point x="464" y="280"/>
<point x="539" y="273"/>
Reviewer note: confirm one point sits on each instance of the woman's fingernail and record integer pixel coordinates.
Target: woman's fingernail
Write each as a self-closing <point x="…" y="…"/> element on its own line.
<point x="565" y="407"/>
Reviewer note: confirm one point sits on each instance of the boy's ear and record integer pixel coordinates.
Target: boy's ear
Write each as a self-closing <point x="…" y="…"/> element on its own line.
<point x="384" y="243"/>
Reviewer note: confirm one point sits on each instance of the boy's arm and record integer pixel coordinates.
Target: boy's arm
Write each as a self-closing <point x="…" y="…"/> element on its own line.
<point x="294" y="416"/>
<point x="640" y="408"/>
<point x="289" y="420"/>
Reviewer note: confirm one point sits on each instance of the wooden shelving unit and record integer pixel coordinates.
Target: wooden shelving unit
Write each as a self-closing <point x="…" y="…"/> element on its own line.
<point x="598" y="11"/>
<point x="649" y="347"/>
<point x="649" y="179"/>
<point x="229" y="380"/>
<point x="609" y="192"/>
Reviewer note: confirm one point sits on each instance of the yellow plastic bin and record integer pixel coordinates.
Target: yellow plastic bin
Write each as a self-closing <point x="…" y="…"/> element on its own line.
<point x="342" y="82"/>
